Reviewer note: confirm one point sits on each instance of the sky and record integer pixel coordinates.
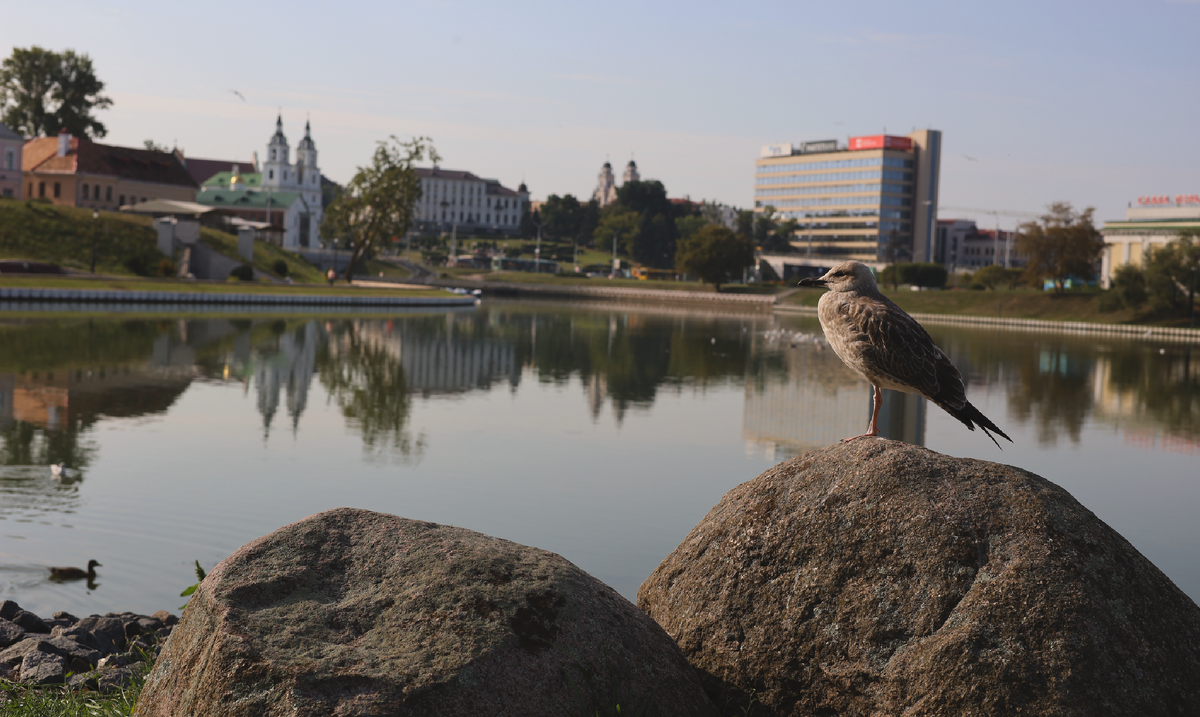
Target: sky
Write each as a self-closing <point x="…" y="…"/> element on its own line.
<point x="1094" y="103"/>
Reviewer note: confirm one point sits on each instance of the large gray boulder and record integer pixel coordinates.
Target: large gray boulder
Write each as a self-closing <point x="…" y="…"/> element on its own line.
<point x="880" y="578"/>
<point x="351" y="612"/>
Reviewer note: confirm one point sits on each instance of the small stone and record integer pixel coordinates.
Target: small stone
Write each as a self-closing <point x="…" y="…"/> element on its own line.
<point x="166" y="618"/>
<point x="63" y="615"/>
<point x="16" y="653"/>
<point x="9" y="609"/>
<point x="164" y="633"/>
<point x="105" y="629"/>
<point x="42" y="668"/>
<point x="31" y="622"/>
<point x="114" y="679"/>
<point x="10" y="633"/>
<point x="118" y="660"/>
<point x="85" y="680"/>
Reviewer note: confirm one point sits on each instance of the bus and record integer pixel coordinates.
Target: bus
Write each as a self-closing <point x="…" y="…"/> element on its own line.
<point x="645" y="273"/>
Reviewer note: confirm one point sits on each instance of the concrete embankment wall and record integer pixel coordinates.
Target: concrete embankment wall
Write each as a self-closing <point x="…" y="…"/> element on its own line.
<point x="763" y="301"/>
<point x="25" y="299"/>
<point x="1059" y="327"/>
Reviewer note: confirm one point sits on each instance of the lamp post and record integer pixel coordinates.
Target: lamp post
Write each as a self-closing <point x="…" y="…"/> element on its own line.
<point x="95" y="216"/>
<point x="537" y="251"/>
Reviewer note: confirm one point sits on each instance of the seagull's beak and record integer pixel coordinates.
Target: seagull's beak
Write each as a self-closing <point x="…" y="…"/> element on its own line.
<point x="812" y="281"/>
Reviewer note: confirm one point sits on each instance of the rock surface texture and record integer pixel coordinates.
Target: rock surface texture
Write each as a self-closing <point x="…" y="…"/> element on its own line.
<point x="880" y="578"/>
<point x="351" y="612"/>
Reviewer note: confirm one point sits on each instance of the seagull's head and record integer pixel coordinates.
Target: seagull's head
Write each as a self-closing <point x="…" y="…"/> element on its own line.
<point x="847" y="276"/>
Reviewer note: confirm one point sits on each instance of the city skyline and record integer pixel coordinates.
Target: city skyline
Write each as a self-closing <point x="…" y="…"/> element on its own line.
<point x="1038" y="103"/>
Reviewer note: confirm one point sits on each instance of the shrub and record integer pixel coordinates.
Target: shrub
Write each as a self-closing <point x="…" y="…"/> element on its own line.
<point x="280" y="268"/>
<point x="166" y="267"/>
<point x="244" y="272"/>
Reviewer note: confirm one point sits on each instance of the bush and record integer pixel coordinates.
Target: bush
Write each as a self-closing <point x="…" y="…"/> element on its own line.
<point x="927" y="275"/>
<point x="243" y="273"/>
<point x="166" y="267"/>
<point x="995" y="275"/>
<point x="280" y="268"/>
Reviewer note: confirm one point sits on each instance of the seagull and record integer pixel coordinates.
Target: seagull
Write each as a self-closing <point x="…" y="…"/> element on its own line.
<point x="888" y="348"/>
<point x="970" y="158"/>
<point x="58" y="470"/>
<point x="239" y="94"/>
<point x="75" y="573"/>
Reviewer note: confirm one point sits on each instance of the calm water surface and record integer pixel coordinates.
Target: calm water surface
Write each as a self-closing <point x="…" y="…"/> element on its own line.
<point x="600" y="432"/>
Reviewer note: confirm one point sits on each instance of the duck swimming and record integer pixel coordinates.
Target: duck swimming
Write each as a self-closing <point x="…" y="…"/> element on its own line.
<point x="75" y="573"/>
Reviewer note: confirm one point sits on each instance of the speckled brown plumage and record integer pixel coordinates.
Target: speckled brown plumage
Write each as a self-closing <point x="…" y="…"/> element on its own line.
<point x="888" y="348"/>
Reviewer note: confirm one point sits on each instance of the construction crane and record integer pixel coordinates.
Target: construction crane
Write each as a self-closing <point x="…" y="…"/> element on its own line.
<point x="996" y="214"/>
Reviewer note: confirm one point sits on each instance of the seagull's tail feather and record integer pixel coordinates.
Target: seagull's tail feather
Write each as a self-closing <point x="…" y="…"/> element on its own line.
<point x="971" y="416"/>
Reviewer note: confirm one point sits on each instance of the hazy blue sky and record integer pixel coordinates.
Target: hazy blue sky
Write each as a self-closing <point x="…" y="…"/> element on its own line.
<point x="1091" y="102"/>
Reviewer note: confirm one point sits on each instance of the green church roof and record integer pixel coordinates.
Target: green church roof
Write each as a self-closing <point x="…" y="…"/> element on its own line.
<point x="245" y="199"/>
<point x="253" y="180"/>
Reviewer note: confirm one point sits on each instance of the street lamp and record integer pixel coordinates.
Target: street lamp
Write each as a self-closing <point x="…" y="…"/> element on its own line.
<point x="537" y="251"/>
<point x="95" y="216"/>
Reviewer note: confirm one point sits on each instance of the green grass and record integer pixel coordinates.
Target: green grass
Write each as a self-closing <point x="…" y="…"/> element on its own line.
<point x="126" y="244"/>
<point x="265" y="256"/>
<point x="1079" y="305"/>
<point x="60" y="701"/>
<point x="64" y="235"/>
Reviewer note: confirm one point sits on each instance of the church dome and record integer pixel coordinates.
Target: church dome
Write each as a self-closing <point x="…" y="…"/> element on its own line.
<point x="307" y="142"/>
<point x="522" y="188"/>
<point x="607" y="165"/>
<point x="278" y="137"/>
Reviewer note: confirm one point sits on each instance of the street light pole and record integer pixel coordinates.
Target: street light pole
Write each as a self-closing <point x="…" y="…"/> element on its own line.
<point x="95" y="216"/>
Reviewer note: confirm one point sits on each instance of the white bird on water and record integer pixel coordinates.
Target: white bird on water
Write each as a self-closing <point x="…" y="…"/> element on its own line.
<point x="58" y="470"/>
<point x="888" y="348"/>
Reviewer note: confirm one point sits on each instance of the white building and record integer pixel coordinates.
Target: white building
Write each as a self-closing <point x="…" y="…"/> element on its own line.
<point x="454" y="199"/>
<point x="284" y="195"/>
<point x="606" y="182"/>
<point x="963" y="246"/>
<point x="1155" y="222"/>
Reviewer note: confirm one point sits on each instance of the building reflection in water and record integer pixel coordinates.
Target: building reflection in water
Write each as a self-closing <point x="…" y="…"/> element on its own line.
<point x="812" y="400"/>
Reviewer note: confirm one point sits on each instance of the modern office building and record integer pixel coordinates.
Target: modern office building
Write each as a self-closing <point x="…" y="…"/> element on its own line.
<point x="873" y="199"/>
<point x="1155" y="221"/>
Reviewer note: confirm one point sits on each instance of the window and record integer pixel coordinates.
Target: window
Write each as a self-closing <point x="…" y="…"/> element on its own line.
<point x="96" y="191"/>
<point x="57" y="190"/>
<point x="272" y="154"/>
<point x="85" y="191"/>
<point x="8" y="192"/>
<point x="9" y="159"/>
<point x="271" y="173"/>
<point x="108" y="194"/>
<point x="122" y="200"/>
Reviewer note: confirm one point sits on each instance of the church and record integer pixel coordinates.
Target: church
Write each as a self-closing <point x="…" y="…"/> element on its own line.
<point x="606" y="183"/>
<point x="284" y="195"/>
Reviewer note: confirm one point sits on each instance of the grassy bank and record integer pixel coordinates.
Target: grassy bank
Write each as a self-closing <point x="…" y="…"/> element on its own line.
<point x="120" y="283"/>
<point x="1079" y="305"/>
<point x="125" y="244"/>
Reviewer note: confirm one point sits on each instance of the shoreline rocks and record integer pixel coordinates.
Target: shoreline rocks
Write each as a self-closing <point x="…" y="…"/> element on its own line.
<point x="876" y="577"/>
<point x="100" y="652"/>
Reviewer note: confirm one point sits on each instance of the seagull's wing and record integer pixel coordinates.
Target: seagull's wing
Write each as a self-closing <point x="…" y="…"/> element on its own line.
<point x="900" y="349"/>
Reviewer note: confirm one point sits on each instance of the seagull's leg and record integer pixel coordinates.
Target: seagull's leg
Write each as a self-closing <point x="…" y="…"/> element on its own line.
<point x="873" y="430"/>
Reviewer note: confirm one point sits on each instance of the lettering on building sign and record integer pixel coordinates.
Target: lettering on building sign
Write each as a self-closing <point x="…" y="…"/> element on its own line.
<point x="825" y="145"/>
<point x="1166" y="200"/>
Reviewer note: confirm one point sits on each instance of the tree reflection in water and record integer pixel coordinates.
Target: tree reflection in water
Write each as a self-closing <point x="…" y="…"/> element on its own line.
<point x="366" y="379"/>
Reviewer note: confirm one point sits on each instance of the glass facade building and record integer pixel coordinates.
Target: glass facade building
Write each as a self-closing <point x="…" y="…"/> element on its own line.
<point x="874" y="200"/>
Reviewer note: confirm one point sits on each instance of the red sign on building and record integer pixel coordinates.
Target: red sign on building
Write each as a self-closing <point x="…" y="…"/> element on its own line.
<point x="881" y="141"/>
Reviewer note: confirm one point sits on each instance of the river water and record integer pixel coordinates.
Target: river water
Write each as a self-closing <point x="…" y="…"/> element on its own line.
<point x="602" y="432"/>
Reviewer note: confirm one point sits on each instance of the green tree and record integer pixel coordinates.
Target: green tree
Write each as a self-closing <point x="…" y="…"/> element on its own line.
<point x="561" y="217"/>
<point x="654" y="242"/>
<point x="1171" y="273"/>
<point x="619" y="225"/>
<point x="714" y="253"/>
<point x="43" y="92"/>
<point x="155" y="146"/>
<point x="377" y="204"/>
<point x="687" y="226"/>
<point x="1064" y="243"/>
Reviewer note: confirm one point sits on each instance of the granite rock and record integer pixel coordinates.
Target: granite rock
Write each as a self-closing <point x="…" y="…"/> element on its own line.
<point x="360" y="613"/>
<point x="881" y="578"/>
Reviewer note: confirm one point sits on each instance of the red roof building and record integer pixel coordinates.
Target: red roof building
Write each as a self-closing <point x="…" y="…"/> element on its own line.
<point x="76" y="172"/>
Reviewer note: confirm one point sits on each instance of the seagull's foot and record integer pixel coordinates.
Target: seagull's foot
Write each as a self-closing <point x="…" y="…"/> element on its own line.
<point x="863" y="435"/>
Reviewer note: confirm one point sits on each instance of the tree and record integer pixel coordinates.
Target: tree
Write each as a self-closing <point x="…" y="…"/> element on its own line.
<point x="1171" y="274"/>
<point x="1063" y="244"/>
<point x="378" y="202"/>
<point x="654" y="242"/>
<point x="619" y="225"/>
<point x="43" y="92"/>
<point x="155" y="146"/>
<point x="713" y="253"/>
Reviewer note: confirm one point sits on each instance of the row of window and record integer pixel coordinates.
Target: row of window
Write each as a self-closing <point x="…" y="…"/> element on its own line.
<point x="837" y="164"/>
<point x="835" y="189"/>
<point x="853" y="212"/>
<point x="890" y="174"/>
<point x="466" y="218"/>
<point x="834" y="201"/>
